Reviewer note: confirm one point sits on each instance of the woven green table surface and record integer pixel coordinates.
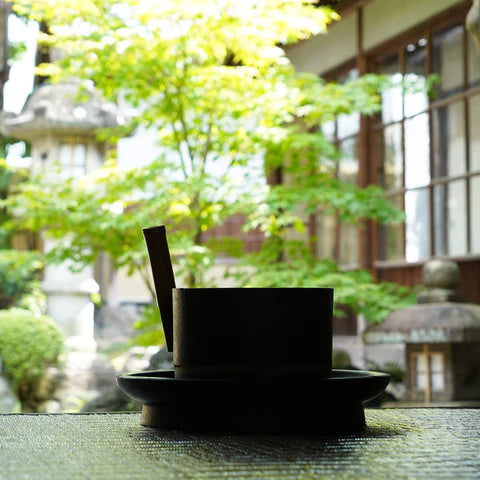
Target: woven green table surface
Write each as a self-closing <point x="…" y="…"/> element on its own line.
<point x="397" y="443"/>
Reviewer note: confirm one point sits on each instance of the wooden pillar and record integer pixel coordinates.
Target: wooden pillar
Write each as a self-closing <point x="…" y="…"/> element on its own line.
<point x="428" y="382"/>
<point x="366" y="243"/>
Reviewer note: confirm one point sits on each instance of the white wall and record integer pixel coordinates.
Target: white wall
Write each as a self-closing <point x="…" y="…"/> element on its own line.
<point x="383" y="20"/>
<point x="323" y="52"/>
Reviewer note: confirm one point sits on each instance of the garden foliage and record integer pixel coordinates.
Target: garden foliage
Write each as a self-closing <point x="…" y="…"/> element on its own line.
<point x="214" y="81"/>
<point x="18" y="277"/>
<point x="28" y="346"/>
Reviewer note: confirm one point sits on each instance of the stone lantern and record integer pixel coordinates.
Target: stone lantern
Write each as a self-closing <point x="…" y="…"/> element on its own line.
<point x="441" y="336"/>
<point x="62" y="133"/>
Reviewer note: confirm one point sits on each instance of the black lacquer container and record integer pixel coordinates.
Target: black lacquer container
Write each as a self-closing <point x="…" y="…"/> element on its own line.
<point x="247" y="360"/>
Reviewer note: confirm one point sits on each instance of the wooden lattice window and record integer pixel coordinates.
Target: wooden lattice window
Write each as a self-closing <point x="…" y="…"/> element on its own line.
<point x="429" y="374"/>
<point x="427" y="149"/>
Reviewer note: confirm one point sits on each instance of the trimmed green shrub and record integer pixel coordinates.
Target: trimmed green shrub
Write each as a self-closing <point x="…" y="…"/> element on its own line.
<point x="28" y="346"/>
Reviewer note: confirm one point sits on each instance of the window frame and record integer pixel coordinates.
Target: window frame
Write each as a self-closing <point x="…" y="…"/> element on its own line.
<point x="398" y="47"/>
<point x="337" y="75"/>
<point x="70" y="165"/>
<point x="414" y="356"/>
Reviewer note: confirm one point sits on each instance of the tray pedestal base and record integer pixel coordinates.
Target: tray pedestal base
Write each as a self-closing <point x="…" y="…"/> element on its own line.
<point x="318" y="419"/>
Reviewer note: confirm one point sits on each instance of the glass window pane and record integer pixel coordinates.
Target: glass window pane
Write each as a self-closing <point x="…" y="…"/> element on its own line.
<point x="449" y="140"/>
<point x="348" y="125"/>
<point x="436" y="371"/>
<point x="437" y="381"/>
<point x="447" y="60"/>
<point x="475" y="214"/>
<point x="348" y="253"/>
<point x="79" y="155"/>
<point x="325" y="235"/>
<point x="436" y="363"/>
<point x="417" y="225"/>
<point x="421" y="381"/>
<point x="420" y="372"/>
<point x="415" y="102"/>
<point x="417" y="154"/>
<point x="457" y="218"/>
<point x="440" y="222"/>
<point x="420" y="363"/>
<point x="473" y="64"/>
<point x="450" y="218"/>
<point x="348" y="165"/>
<point x="392" y="108"/>
<point x="437" y="375"/>
<point x="393" y="236"/>
<point x="389" y="148"/>
<point x="65" y="155"/>
<point x="328" y="130"/>
<point x="474" y="132"/>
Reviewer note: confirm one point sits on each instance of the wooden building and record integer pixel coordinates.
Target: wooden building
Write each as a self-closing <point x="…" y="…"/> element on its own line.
<point x="424" y="151"/>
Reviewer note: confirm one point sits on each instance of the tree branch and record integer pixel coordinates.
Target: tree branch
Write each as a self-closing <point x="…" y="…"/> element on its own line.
<point x="208" y="142"/>
<point x="142" y="270"/>
<point x="178" y="140"/>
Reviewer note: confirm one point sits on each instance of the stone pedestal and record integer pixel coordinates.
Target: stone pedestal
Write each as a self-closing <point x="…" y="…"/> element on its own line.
<point x="69" y="303"/>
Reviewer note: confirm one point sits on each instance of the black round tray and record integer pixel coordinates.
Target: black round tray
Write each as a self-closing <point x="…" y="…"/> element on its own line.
<point x="274" y="405"/>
